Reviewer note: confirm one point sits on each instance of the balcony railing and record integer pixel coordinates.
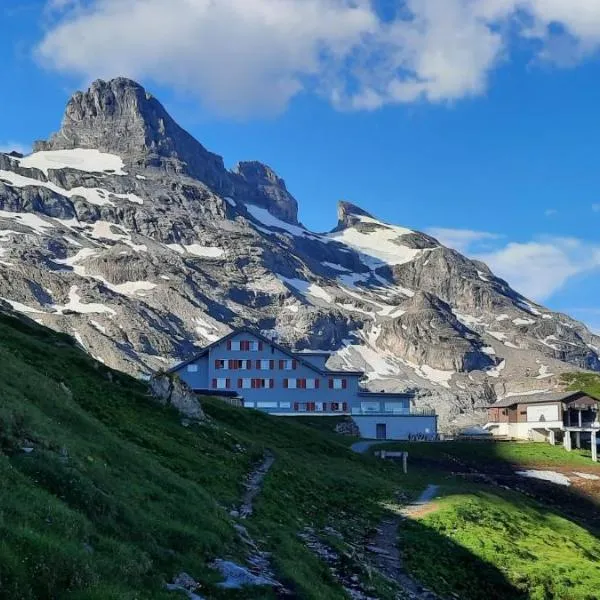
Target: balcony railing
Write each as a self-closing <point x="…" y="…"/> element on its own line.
<point x="406" y="412"/>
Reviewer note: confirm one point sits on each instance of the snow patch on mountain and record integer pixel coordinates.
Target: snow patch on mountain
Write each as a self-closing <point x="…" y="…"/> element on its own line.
<point x="80" y="159"/>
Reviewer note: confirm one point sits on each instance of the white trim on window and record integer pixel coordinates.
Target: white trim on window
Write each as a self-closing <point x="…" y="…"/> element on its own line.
<point x="292" y="384"/>
<point x="246" y="383"/>
<point x="266" y="405"/>
<point x="192" y="368"/>
<point x="253" y="346"/>
<point x="265" y="364"/>
<point x="285" y="405"/>
<point x="288" y="365"/>
<point x="248" y="404"/>
<point x="235" y="345"/>
<point x="310" y="384"/>
<point x="337" y="384"/>
<point x="222" y="383"/>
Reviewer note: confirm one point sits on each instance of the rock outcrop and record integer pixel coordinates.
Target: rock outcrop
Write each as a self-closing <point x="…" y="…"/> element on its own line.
<point x="170" y="390"/>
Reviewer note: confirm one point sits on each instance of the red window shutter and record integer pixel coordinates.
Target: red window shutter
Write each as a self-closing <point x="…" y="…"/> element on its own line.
<point x="271" y="364"/>
<point x="228" y="383"/>
<point x="303" y="384"/>
<point x="240" y="383"/>
<point x="344" y="384"/>
<point x="317" y="383"/>
<point x="214" y="383"/>
<point x="294" y="364"/>
<point x="281" y="365"/>
<point x="296" y="407"/>
<point x="312" y="407"/>
<point x="330" y="383"/>
<point x="228" y="344"/>
<point x="285" y="385"/>
<point x="217" y="363"/>
<point x="260" y="346"/>
<point x="345" y="406"/>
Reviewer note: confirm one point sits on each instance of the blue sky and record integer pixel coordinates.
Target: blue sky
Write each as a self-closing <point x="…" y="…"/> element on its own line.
<point x="476" y="120"/>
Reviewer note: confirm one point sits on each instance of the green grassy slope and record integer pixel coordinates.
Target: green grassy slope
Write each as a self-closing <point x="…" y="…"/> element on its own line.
<point x="117" y="496"/>
<point x="587" y="382"/>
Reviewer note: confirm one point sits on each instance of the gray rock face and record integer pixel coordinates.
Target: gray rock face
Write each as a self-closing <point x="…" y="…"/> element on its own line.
<point x="145" y="267"/>
<point x="258" y="184"/>
<point x="172" y="391"/>
<point x="429" y="333"/>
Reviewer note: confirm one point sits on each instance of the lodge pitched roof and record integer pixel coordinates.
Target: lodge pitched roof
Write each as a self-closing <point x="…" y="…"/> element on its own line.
<point x="539" y="398"/>
<point x="293" y="355"/>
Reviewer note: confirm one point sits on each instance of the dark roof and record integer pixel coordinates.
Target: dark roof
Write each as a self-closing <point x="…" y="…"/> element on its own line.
<point x="265" y="339"/>
<point x="388" y="394"/>
<point x="216" y="393"/>
<point x="539" y="399"/>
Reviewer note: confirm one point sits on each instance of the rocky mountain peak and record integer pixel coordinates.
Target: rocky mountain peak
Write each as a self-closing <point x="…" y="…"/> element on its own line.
<point x="349" y="214"/>
<point x="121" y="117"/>
<point x="258" y="184"/>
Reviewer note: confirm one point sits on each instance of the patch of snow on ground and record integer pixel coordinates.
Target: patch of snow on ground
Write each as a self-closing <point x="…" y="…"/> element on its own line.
<point x="23" y="308"/>
<point x="29" y="220"/>
<point x="495" y="371"/>
<point x="377" y="246"/>
<point x="76" y="305"/>
<point x="588" y="476"/>
<point x="547" y="317"/>
<point x="503" y="317"/>
<point x="498" y="335"/>
<point x="551" y="476"/>
<point x="377" y="366"/>
<point x="131" y="288"/>
<point x="207" y="330"/>
<point x="488" y="350"/>
<point x="335" y="266"/>
<point x="353" y="279"/>
<point x="529" y="393"/>
<point x="551" y="338"/>
<point x="266" y="218"/>
<point x="436" y="375"/>
<point x="92" y="161"/>
<point x="511" y="345"/>
<point x="205" y="251"/>
<point x="523" y="321"/>
<point x="307" y="288"/>
<point x="97" y="326"/>
<point x="529" y="307"/>
<point x="543" y="372"/>
<point x="469" y="320"/>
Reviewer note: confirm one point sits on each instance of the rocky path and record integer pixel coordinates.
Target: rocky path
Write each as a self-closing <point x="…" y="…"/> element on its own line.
<point x="387" y="555"/>
<point x="254" y="485"/>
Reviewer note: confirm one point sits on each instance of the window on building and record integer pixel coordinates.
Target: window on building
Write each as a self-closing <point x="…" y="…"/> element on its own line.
<point x="221" y="383"/>
<point x="192" y="368"/>
<point x="248" y="404"/>
<point x="265" y="364"/>
<point x="258" y="383"/>
<point x="287" y="365"/>
<point x="234" y="345"/>
<point x="285" y="405"/>
<point x="337" y="383"/>
<point x="266" y="405"/>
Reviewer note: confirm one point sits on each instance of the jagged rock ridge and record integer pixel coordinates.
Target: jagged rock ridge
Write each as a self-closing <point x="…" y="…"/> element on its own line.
<point x="125" y="232"/>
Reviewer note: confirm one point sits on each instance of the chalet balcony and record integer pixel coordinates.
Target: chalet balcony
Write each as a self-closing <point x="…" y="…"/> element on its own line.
<point x="399" y="412"/>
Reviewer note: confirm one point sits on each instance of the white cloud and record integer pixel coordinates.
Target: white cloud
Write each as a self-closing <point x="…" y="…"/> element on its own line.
<point x="463" y="240"/>
<point x="244" y="56"/>
<point x="537" y="268"/>
<point x="16" y="146"/>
